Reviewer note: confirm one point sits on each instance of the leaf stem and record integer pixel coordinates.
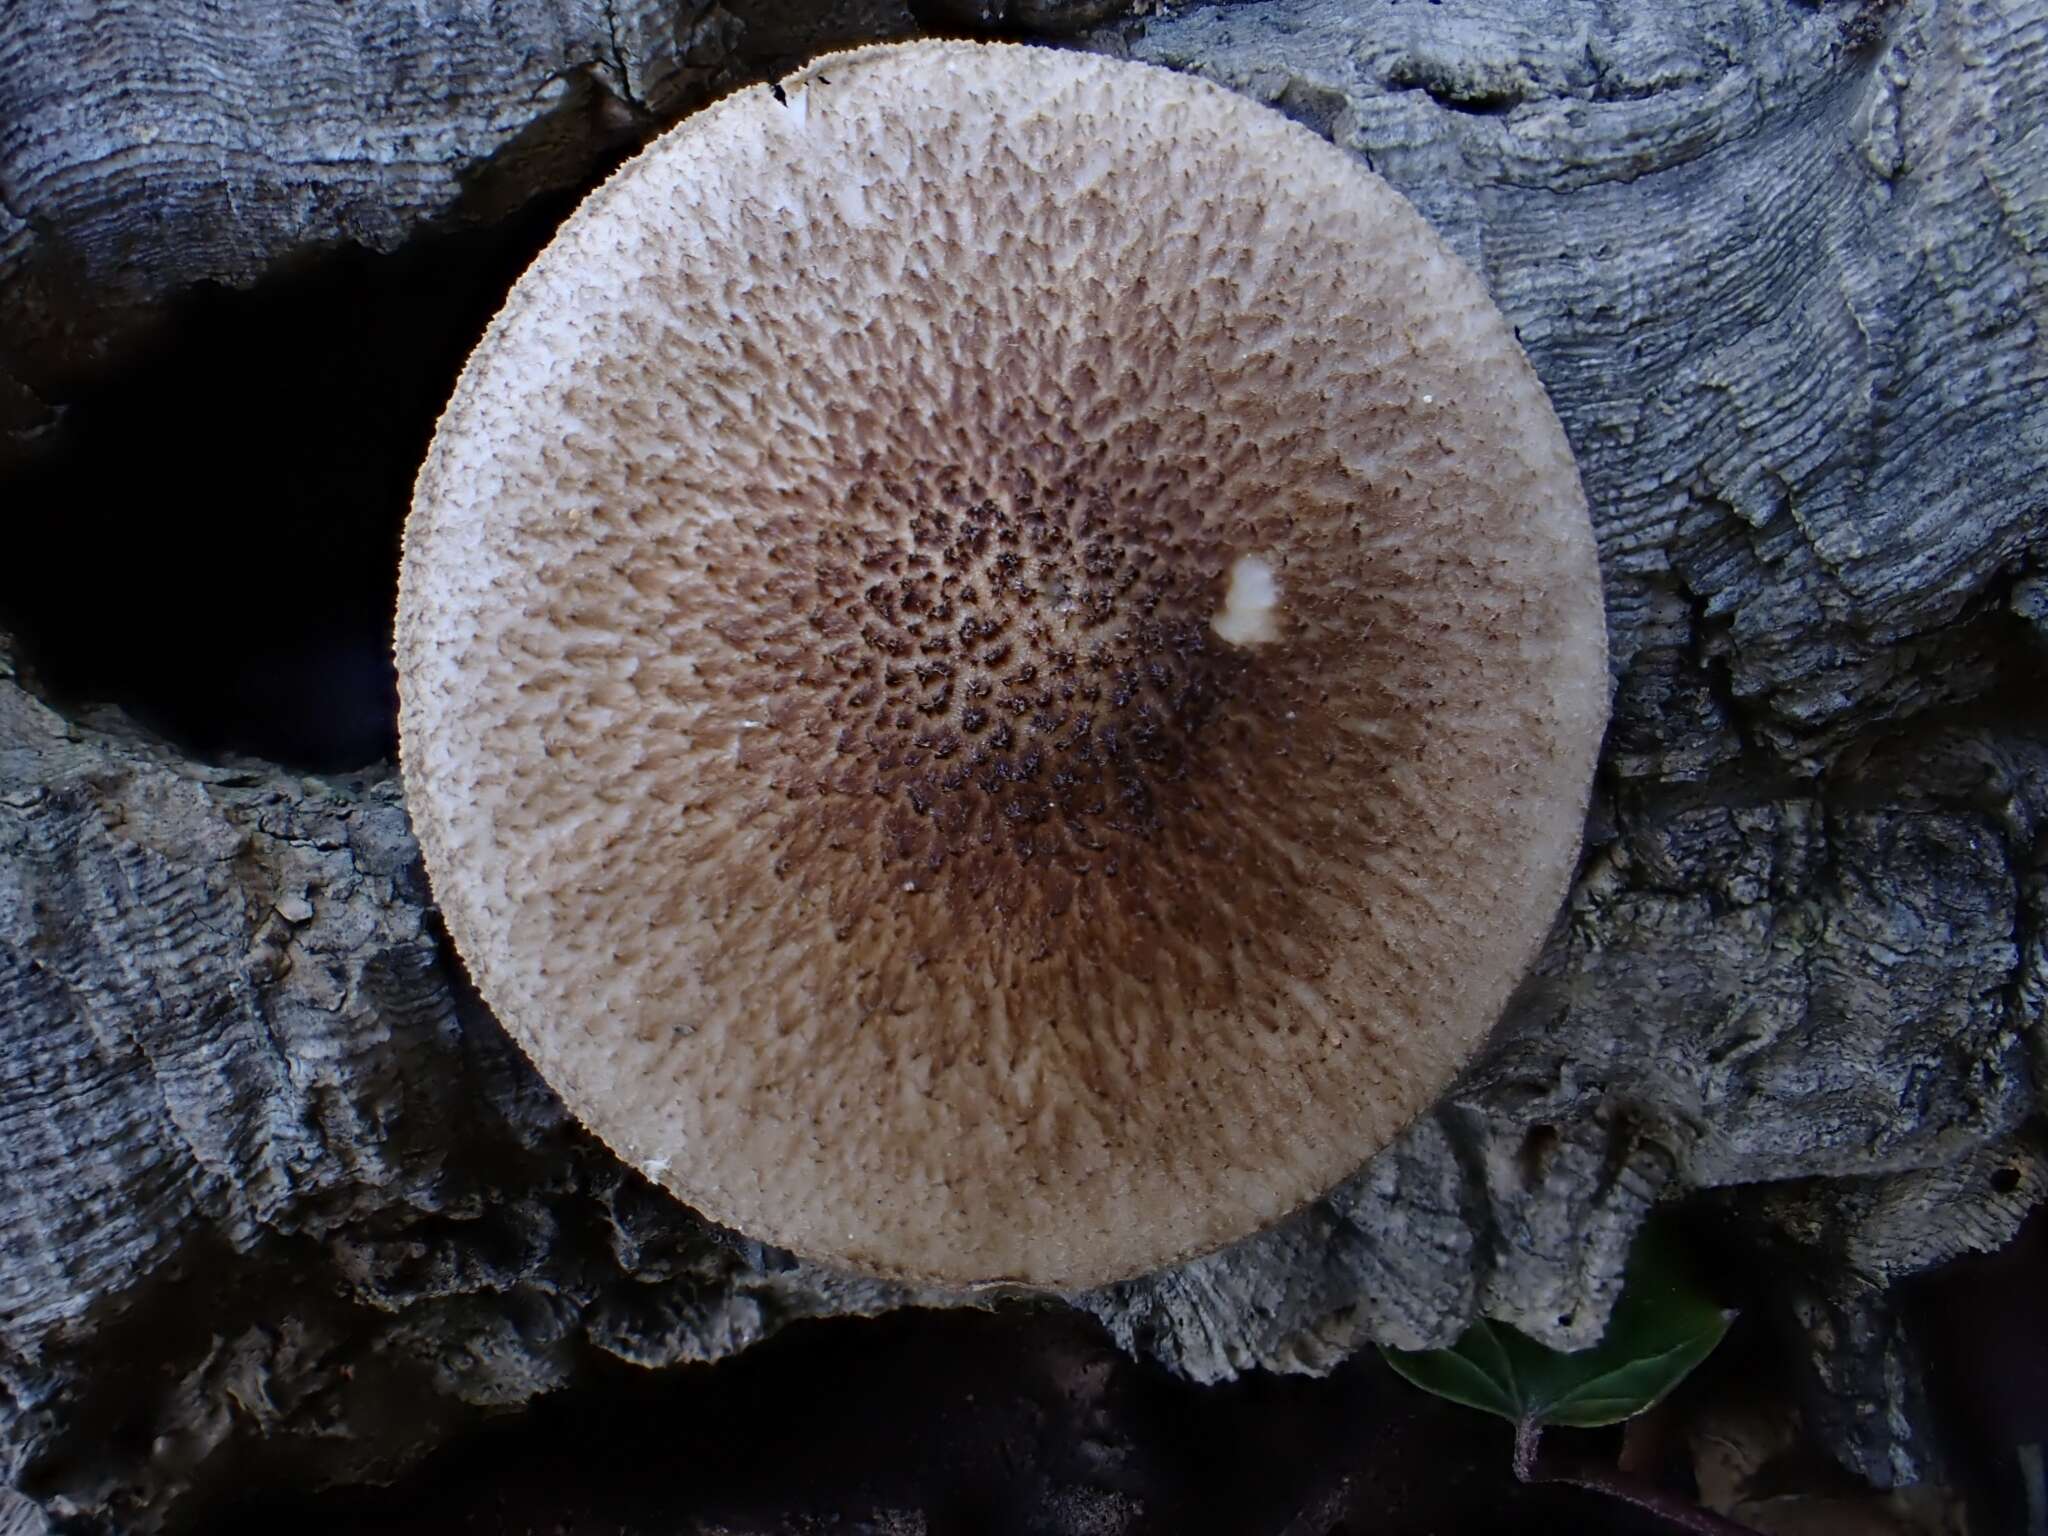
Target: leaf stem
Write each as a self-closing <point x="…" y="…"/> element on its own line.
<point x="1528" y="1437"/>
<point x="1681" y="1513"/>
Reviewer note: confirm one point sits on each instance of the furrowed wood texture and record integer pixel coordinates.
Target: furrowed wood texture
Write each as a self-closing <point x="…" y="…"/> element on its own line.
<point x="147" y="148"/>
<point x="1779" y="269"/>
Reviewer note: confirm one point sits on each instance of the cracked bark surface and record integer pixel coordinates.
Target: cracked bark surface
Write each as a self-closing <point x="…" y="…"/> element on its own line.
<point x="276" y="1196"/>
<point x="143" y="150"/>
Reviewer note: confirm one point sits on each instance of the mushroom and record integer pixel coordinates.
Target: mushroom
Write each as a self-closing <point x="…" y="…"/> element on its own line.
<point x="1001" y="658"/>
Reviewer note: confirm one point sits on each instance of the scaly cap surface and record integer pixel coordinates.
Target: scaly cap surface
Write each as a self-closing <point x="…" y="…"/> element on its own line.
<point x="1000" y="664"/>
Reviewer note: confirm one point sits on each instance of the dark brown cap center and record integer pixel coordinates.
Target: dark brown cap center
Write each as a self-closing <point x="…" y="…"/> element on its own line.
<point x="982" y="675"/>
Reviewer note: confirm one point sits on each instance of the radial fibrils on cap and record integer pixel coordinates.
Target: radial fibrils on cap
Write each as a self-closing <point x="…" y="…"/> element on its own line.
<point x="955" y="697"/>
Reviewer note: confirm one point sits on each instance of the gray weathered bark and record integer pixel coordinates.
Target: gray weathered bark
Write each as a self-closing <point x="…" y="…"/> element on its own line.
<point x="268" y="1173"/>
<point x="145" y="149"/>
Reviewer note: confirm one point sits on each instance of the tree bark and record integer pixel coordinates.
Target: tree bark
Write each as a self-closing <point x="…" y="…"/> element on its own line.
<point x="147" y="149"/>
<point x="274" y="1189"/>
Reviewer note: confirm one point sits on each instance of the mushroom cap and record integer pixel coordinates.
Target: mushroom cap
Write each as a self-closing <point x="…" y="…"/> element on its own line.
<point x="1001" y="658"/>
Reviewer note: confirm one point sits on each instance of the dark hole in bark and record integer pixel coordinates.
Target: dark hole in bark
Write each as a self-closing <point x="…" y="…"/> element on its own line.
<point x="1983" y="1333"/>
<point x="1539" y="1148"/>
<point x="212" y="541"/>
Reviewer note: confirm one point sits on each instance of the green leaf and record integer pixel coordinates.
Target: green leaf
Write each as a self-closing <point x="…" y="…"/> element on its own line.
<point x="1663" y="1325"/>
